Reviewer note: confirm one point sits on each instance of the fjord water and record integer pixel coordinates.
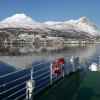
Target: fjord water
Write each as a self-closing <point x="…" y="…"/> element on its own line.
<point x="16" y="57"/>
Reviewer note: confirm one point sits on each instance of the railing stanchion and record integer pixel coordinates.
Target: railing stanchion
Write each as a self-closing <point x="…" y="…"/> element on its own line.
<point x="51" y="73"/>
<point x="63" y="74"/>
<point x="32" y="73"/>
<point x="30" y="85"/>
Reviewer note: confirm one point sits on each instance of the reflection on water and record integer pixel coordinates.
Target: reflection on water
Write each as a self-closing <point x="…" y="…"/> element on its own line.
<point x="26" y="49"/>
<point x="21" y="56"/>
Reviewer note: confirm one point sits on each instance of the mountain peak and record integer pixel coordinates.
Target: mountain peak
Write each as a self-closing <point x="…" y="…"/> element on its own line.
<point x="84" y="20"/>
<point x="20" y="18"/>
<point x="20" y="15"/>
<point x="19" y="21"/>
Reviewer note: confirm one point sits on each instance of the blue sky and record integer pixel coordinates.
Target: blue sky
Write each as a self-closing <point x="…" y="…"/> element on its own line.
<point x="52" y="10"/>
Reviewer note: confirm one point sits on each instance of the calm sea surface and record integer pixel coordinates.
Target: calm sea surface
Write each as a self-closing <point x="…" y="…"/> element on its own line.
<point x="16" y="57"/>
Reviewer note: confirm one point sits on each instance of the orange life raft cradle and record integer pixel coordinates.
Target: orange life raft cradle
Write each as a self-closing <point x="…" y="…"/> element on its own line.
<point x="56" y="67"/>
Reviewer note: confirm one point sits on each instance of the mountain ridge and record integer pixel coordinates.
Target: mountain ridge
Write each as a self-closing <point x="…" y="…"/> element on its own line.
<point x="73" y="27"/>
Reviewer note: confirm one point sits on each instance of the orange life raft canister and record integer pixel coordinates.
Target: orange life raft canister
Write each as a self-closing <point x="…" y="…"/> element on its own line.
<point x="56" y="67"/>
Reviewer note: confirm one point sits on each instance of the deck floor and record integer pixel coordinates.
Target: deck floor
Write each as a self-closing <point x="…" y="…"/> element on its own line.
<point x="82" y="85"/>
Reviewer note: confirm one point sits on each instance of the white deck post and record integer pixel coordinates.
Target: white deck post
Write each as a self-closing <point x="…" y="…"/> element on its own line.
<point x="72" y="64"/>
<point x="30" y="85"/>
<point x="51" y="73"/>
<point x="75" y="63"/>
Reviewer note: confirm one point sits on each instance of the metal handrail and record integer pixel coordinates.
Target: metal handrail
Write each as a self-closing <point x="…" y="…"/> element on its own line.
<point x="23" y="82"/>
<point x="25" y="69"/>
<point x="42" y="83"/>
<point x="41" y="88"/>
<point x="40" y="75"/>
<point x="14" y="93"/>
<point x="33" y="78"/>
<point x="41" y="70"/>
<point x="15" y="80"/>
<point x="42" y="79"/>
<point x="23" y="77"/>
<point x="13" y="88"/>
<point x="20" y="96"/>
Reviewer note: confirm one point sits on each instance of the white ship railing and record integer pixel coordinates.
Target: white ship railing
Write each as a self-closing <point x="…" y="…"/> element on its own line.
<point x="44" y="77"/>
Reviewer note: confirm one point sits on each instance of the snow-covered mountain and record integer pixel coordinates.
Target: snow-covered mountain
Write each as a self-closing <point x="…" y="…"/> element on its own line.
<point x="81" y="27"/>
<point x="20" y="21"/>
<point x="84" y="24"/>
